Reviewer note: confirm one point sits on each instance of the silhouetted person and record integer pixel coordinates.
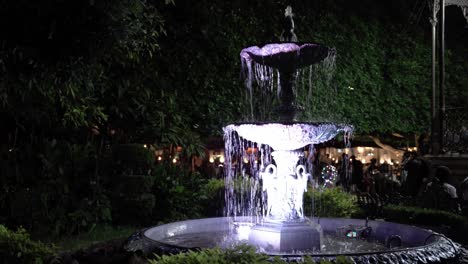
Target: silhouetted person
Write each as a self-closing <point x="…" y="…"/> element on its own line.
<point x="417" y="169"/>
<point x="443" y="174"/>
<point x="423" y="144"/>
<point x="344" y="171"/>
<point x="372" y="167"/>
<point x="464" y="196"/>
<point x="439" y="193"/>
<point x="357" y="173"/>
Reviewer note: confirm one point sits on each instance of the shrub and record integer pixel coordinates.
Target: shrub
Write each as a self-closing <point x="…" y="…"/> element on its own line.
<point x="424" y="216"/>
<point x="132" y="159"/>
<point x="132" y="184"/>
<point x="134" y="208"/>
<point x="178" y="193"/>
<point x="332" y="202"/>
<point x="89" y="213"/>
<point x="238" y="254"/>
<point x="132" y="199"/>
<point x="181" y="194"/>
<point x="168" y="193"/>
<point x="212" y="187"/>
<point x="62" y="195"/>
<point x="17" y="247"/>
<point x="212" y="197"/>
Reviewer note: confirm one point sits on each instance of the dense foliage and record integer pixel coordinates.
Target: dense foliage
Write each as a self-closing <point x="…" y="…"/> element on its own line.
<point x="237" y="255"/>
<point x="457" y="224"/>
<point x="72" y="85"/>
<point x="181" y="195"/>
<point x="382" y="79"/>
<point x="74" y="190"/>
<point x="79" y="77"/>
<point x="17" y="247"/>
<point x="332" y="202"/>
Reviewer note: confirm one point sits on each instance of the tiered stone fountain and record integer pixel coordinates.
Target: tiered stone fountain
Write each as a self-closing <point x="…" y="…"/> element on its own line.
<point x="283" y="227"/>
<point x="276" y="223"/>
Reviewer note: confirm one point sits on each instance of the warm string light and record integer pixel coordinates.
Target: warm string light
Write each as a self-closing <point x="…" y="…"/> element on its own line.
<point x="216" y="156"/>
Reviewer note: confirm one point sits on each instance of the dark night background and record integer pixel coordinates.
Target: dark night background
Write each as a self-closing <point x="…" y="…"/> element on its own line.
<point x="85" y="84"/>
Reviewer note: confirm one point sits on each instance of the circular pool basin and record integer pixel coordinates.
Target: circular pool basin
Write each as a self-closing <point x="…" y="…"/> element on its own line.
<point x="360" y="240"/>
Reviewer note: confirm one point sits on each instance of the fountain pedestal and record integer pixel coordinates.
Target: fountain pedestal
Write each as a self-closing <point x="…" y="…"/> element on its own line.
<point x="284" y="229"/>
<point x="286" y="236"/>
<point x="285" y="185"/>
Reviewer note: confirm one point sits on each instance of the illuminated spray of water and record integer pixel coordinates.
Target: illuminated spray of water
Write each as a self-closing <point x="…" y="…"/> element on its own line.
<point x="263" y="80"/>
<point x="266" y="171"/>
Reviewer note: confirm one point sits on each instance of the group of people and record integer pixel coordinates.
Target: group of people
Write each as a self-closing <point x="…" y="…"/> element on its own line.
<point x="440" y="189"/>
<point x="354" y="177"/>
<point x="429" y="185"/>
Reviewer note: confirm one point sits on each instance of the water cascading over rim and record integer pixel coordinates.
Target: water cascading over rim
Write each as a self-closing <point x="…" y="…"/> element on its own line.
<point x="260" y="64"/>
<point x="264" y="184"/>
<point x="274" y="170"/>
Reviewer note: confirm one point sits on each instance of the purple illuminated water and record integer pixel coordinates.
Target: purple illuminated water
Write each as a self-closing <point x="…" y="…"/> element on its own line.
<point x="288" y="136"/>
<point x="268" y="165"/>
<point x="332" y="244"/>
<point x="267" y="169"/>
<point x="275" y="49"/>
<point x="268" y="178"/>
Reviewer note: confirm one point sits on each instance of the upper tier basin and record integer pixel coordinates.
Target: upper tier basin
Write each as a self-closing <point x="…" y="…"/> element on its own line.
<point x="286" y="57"/>
<point x="288" y="136"/>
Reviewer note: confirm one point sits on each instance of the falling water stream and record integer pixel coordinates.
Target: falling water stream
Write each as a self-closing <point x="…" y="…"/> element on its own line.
<point x="263" y="81"/>
<point x="245" y="159"/>
<point x="268" y="166"/>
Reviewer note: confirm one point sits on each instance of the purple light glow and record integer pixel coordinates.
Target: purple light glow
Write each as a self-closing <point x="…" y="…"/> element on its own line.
<point x="288" y="136"/>
<point x="274" y="49"/>
<point x="264" y="64"/>
<point x="279" y="150"/>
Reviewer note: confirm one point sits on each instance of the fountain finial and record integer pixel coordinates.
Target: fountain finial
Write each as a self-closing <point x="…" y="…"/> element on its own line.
<point x="288" y="26"/>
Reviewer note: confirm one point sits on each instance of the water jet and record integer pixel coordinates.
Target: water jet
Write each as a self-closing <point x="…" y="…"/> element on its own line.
<point x="264" y="205"/>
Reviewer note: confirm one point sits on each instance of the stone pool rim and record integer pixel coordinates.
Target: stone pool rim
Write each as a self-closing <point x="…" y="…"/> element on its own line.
<point x="441" y="248"/>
